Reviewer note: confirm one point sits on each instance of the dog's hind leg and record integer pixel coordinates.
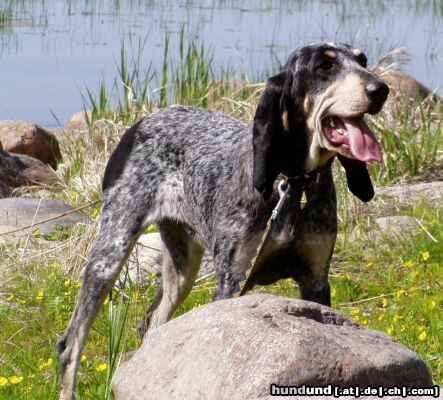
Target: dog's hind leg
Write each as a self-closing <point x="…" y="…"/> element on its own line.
<point x="119" y="229"/>
<point x="181" y="262"/>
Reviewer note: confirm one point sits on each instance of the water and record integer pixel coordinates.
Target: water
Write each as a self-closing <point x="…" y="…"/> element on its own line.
<point x="52" y="50"/>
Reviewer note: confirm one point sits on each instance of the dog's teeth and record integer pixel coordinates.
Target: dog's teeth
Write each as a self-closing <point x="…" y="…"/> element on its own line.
<point x="332" y="123"/>
<point x="341" y="131"/>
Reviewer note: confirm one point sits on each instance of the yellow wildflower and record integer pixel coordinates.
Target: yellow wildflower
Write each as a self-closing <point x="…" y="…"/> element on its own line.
<point x="333" y="292"/>
<point x="402" y="328"/>
<point x="21" y="301"/>
<point x="135" y="296"/>
<point x="106" y="302"/>
<point x="422" y="335"/>
<point x="151" y="228"/>
<point x="83" y="358"/>
<point x="10" y="297"/>
<point x="381" y="317"/>
<point x="153" y="275"/>
<point x="45" y="364"/>
<point x="52" y="276"/>
<point x="432" y="304"/>
<point x="408" y="264"/>
<point x="101" y="367"/>
<point x="399" y="293"/>
<point x="433" y="222"/>
<point x="384" y="302"/>
<point x="67" y="282"/>
<point x="364" y="322"/>
<point x="356" y="318"/>
<point x="79" y="284"/>
<point x="369" y="264"/>
<point x="355" y="311"/>
<point x="390" y="329"/>
<point x="415" y="273"/>
<point x="196" y="305"/>
<point x="39" y="296"/>
<point x="27" y="389"/>
<point x="425" y="255"/>
<point x="14" y="380"/>
<point x="3" y="381"/>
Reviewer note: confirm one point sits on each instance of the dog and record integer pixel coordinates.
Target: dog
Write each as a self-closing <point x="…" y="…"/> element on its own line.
<point x="209" y="183"/>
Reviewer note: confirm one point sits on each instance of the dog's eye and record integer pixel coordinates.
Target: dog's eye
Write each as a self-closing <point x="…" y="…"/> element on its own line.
<point x="362" y="60"/>
<point x="325" y="65"/>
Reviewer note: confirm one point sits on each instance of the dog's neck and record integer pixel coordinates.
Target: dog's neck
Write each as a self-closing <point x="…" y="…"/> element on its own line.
<point x="241" y="177"/>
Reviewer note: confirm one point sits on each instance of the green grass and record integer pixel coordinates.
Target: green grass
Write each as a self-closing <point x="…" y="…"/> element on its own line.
<point x="411" y="140"/>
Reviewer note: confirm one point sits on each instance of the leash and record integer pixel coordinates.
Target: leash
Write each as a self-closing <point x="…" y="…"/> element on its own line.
<point x="284" y="187"/>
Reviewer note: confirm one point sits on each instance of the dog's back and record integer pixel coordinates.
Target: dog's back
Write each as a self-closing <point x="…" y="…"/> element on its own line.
<point x="177" y="160"/>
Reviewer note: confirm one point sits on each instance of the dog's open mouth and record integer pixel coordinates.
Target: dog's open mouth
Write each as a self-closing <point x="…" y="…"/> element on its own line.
<point x="352" y="135"/>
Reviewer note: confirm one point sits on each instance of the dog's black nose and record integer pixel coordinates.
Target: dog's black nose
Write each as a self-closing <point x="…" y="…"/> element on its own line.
<point x="377" y="92"/>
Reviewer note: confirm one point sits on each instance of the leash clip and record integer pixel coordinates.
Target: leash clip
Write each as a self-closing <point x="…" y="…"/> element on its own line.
<point x="282" y="191"/>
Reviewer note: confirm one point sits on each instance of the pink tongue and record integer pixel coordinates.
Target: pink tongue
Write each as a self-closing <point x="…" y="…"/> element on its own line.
<point x="364" y="145"/>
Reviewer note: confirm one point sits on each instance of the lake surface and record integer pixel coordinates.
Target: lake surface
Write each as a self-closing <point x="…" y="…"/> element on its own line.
<point x="51" y="50"/>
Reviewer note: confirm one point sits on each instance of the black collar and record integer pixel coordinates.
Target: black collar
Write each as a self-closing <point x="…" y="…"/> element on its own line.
<point x="305" y="181"/>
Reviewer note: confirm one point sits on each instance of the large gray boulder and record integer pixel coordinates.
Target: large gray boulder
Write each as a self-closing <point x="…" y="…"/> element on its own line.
<point x="234" y="349"/>
<point x="19" y="212"/>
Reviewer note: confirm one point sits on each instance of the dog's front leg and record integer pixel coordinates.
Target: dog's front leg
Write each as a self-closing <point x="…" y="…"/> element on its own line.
<point x="315" y="290"/>
<point x="228" y="281"/>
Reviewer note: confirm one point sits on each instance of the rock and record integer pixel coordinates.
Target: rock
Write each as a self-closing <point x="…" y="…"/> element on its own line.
<point x="412" y="193"/>
<point x="79" y="121"/>
<point x="304" y="397"/>
<point x="147" y="257"/>
<point x="36" y="171"/>
<point x="401" y="83"/>
<point x="10" y="175"/>
<point x="397" y="226"/>
<point x="20" y="212"/>
<point x="24" y="137"/>
<point x="234" y="349"/>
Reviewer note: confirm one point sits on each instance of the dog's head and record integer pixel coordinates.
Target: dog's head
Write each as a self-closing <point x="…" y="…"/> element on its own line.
<point x="312" y="110"/>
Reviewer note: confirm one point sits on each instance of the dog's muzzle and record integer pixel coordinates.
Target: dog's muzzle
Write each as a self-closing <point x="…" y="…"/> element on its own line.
<point x="377" y="92"/>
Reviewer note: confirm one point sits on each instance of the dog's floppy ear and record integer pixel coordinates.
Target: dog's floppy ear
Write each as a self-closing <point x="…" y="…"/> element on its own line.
<point x="270" y="123"/>
<point x="359" y="182"/>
